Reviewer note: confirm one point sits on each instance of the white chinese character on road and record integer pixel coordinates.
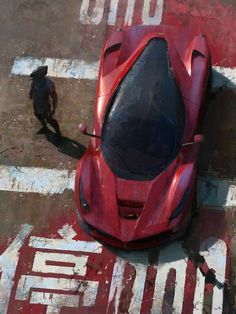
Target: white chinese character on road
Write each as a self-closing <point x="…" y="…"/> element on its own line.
<point x="52" y="265"/>
<point x="8" y="264"/>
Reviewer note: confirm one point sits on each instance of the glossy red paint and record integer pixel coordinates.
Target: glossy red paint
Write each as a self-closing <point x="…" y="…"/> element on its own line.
<point x="122" y="212"/>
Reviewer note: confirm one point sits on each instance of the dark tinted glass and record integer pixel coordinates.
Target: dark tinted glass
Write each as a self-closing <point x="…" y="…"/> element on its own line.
<point x="143" y="128"/>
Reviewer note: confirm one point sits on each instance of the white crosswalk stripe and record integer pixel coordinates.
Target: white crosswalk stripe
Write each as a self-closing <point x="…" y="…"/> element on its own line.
<point x="80" y="69"/>
<point x="211" y="192"/>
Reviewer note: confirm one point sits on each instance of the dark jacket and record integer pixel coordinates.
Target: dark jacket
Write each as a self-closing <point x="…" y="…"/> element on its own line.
<point x="41" y="89"/>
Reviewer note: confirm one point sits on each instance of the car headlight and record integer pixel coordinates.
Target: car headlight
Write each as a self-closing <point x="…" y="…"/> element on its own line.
<point x="178" y="210"/>
<point x="83" y="201"/>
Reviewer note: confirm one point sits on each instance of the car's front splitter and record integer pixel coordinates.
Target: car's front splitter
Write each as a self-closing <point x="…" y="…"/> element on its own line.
<point x="158" y="240"/>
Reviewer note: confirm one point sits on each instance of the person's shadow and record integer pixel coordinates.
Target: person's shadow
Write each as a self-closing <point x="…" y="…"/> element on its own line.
<point x="64" y="145"/>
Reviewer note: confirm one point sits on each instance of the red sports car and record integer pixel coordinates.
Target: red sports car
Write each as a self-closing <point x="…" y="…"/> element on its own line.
<point x="136" y="182"/>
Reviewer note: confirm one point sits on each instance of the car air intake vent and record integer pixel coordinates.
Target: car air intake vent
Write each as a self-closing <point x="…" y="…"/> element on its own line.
<point x="130" y="209"/>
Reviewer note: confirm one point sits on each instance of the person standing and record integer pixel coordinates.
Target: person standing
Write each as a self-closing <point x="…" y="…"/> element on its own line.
<point x="42" y="88"/>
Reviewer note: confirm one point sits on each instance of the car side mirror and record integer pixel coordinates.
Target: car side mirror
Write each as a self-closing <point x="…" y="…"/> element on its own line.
<point x="198" y="138"/>
<point x="83" y="128"/>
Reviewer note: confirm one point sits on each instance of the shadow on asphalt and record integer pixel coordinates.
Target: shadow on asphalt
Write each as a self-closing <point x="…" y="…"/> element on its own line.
<point x="218" y="151"/>
<point x="65" y="145"/>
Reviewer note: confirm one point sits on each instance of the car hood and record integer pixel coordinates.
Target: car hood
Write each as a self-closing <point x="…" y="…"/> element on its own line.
<point x="128" y="210"/>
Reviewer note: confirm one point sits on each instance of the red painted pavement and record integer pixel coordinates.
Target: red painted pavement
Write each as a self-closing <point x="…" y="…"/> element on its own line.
<point x="100" y="267"/>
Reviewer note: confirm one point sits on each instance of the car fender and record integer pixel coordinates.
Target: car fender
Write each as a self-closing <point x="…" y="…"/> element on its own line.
<point x="197" y="47"/>
<point x="183" y="179"/>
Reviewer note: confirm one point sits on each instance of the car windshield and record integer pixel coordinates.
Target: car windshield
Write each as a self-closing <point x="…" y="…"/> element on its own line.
<point x="144" y="123"/>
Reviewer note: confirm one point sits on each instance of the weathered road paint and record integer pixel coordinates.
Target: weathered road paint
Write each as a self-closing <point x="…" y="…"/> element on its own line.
<point x="35" y="180"/>
<point x="54" y="302"/>
<point x="59" y="272"/>
<point x="72" y="264"/>
<point x="216" y="193"/>
<point x="103" y="282"/>
<point x="214" y="252"/>
<point x="170" y="253"/>
<point x="116" y="286"/>
<point x="129" y="13"/>
<point x="96" y="17"/>
<point x="79" y="69"/>
<point x="66" y="243"/>
<point x="156" y="18"/>
<point x="138" y="286"/>
<point x="223" y="76"/>
<point x="8" y="264"/>
<point x="113" y="12"/>
<point x="211" y="192"/>
<point x="26" y="283"/>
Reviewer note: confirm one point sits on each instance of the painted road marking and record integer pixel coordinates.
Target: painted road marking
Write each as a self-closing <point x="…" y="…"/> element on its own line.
<point x="171" y="258"/>
<point x="164" y="268"/>
<point x="93" y="14"/>
<point x="223" y="77"/>
<point x="26" y="283"/>
<point x="211" y="253"/>
<point x="129" y="13"/>
<point x="211" y="192"/>
<point x="8" y="265"/>
<point x="77" y="69"/>
<point x="66" y="243"/>
<point x="54" y="301"/>
<point x="80" y="69"/>
<point x="57" y="289"/>
<point x="60" y="288"/>
<point x="36" y="180"/>
<point x="116" y="287"/>
<point x="138" y="286"/>
<point x="157" y="17"/>
<point x="216" y="193"/>
<point x="97" y="14"/>
<point x="73" y="264"/>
